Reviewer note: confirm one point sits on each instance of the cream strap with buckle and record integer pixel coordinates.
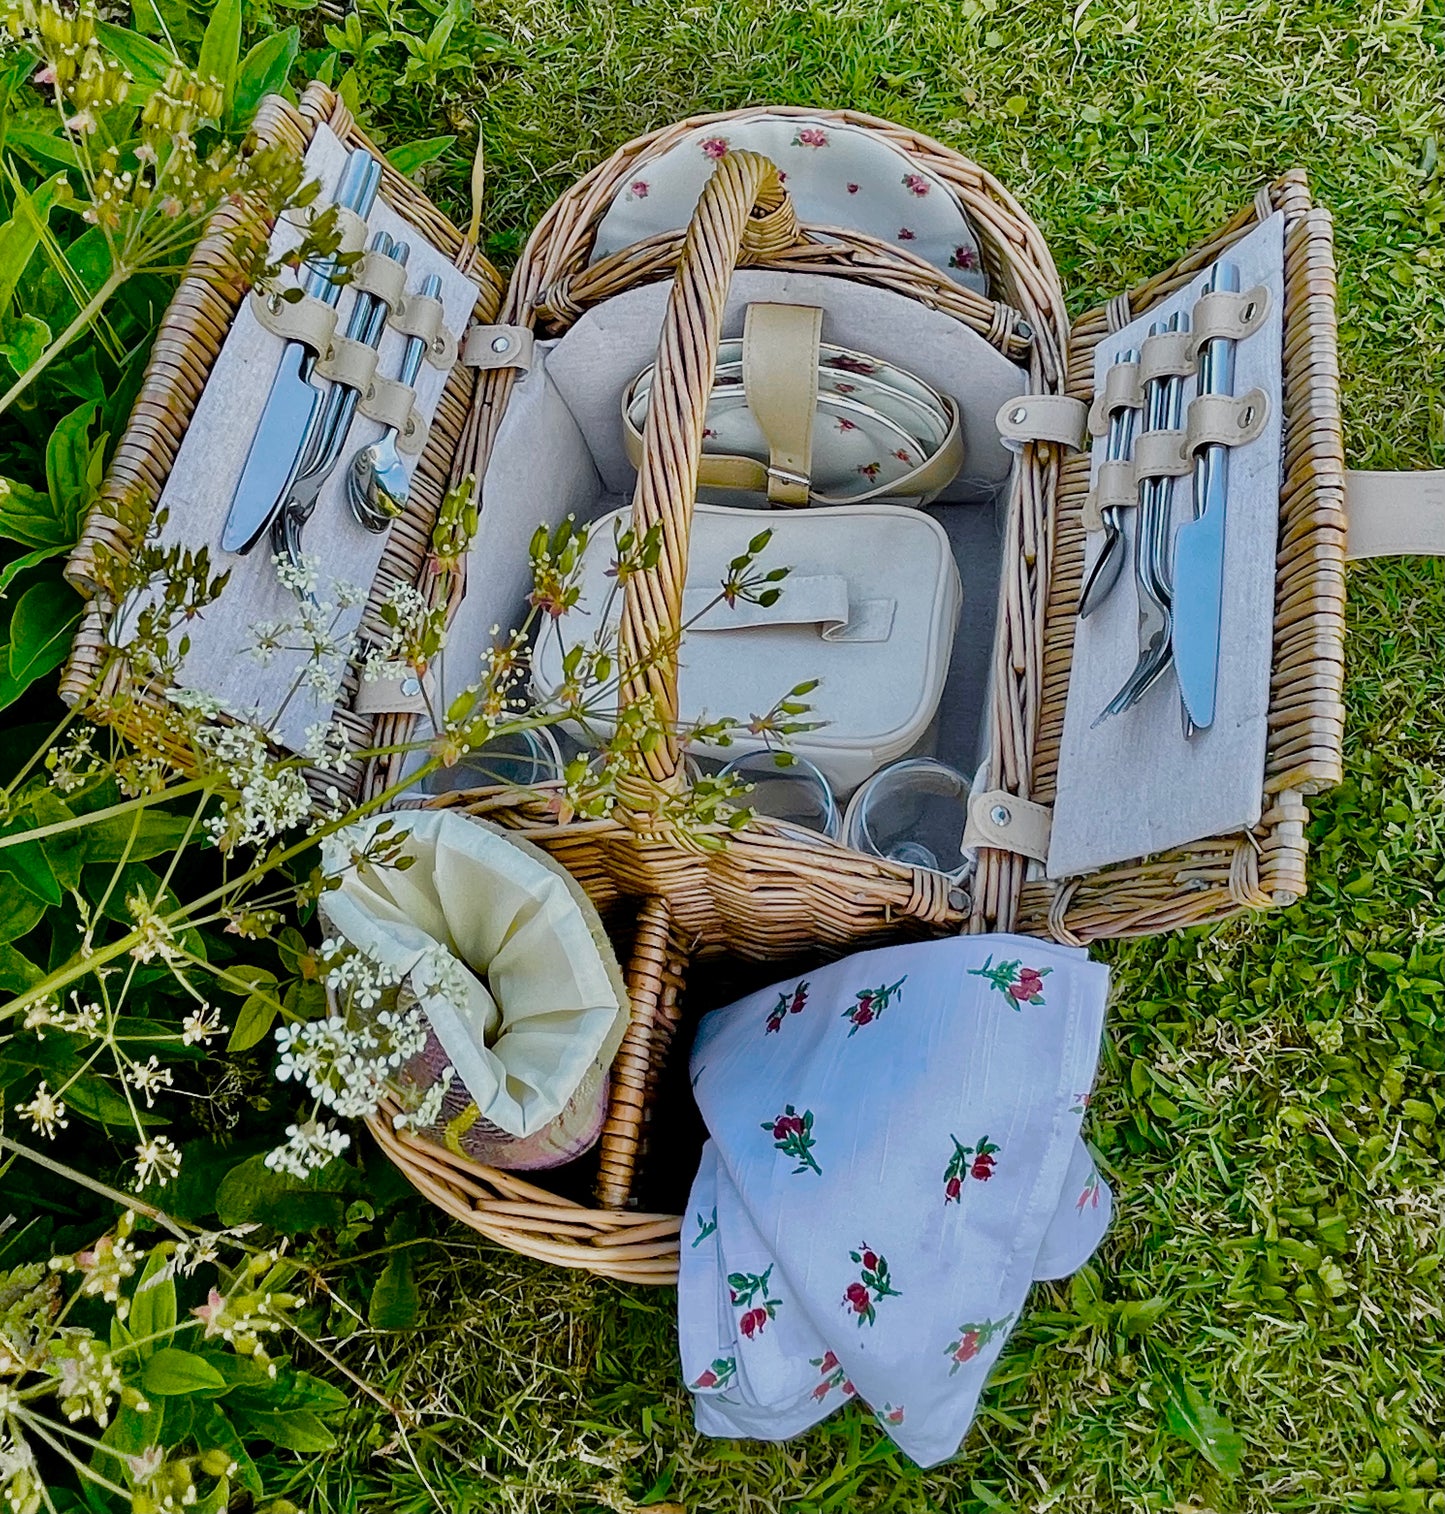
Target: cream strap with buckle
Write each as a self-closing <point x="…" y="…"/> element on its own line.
<point x="780" y="383"/>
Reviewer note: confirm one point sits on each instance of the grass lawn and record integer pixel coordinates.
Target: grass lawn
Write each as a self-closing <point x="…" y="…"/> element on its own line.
<point x="1262" y="1329"/>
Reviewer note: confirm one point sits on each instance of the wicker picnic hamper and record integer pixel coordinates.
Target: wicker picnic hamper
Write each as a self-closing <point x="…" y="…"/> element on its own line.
<point x="768" y="896"/>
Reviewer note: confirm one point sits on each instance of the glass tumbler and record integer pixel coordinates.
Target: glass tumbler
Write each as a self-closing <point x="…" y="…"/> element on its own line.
<point x="912" y="812"/>
<point x="519" y="759"/>
<point x="798" y="794"/>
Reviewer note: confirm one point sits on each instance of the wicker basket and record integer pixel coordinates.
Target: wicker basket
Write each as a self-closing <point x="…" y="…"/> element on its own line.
<point x="768" y="897"/>
<point x="190" y="337"/>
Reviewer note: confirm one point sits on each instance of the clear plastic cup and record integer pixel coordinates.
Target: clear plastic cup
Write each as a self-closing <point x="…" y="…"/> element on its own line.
<point x="518" y="759"/>
<point x="912" y="812"/>
<point x="797" y="794"/>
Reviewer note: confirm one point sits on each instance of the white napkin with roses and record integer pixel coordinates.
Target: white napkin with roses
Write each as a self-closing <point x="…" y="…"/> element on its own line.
<point x="895" y="1157"/>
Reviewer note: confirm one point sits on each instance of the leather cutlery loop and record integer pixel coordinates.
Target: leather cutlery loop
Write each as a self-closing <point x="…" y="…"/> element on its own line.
<point x="1225" y="420"/>
<point x="382" y="276"/>
<point x="394" y="404"/>
<point x="1117" y="488"/>
<point x="1224" y="314"/>
<point x="307" y="320"/>
<point x="1166" y="354"/>
<point x="347" y="361"/>
<point x="1122" y="391"/>
<point x="420" y="315"/>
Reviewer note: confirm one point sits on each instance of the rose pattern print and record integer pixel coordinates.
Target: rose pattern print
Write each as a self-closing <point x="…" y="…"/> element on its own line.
<point x="963" y="257"/>
<point x="975" y="1162"/>
<point x="905" y="235"/>
<point x="903" y="455"/>
<point x="749" y="1292"/>
<point x="715" y="147"/>
<point x="1024" y="985"/>
<point x="892" y="1414"/>
<point x="719" y="1375"/>
<point x="788" y="1004"/>
<point x="832" y="1376"/>
<point x="849" y="362"/>
<point x="810" y="136"/>
<point x="1090" y="1195"/>
<point x="638" y="189"/>
<point x="851" y="188"/>
<point x="915" y="184"/>
<point x="793" y="1135"/>
<point x="704" y="1228"/>
<point x="868" y="470"/>
<point x="874" y="1284"/>
<point x="844" y="388"/>
<point x="972" y="1339"/>
<point x="844" y="424"/>
<point x="869" y="1004"/>
<point x="1081" y="1103"/>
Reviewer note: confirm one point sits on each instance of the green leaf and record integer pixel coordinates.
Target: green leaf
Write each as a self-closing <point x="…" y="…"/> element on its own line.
<point x="221" y="46"/>
<point x="263" y="72"/>
<point x="172" y="1372"/>
<point x="148" y="61"/>
<point x="20" y="235"/>
<point x="44" y="146"/>
<point x="214" y="1432"/>
<point x="257" y="1016"/>
<point x="295" y="1429"/>
<point x="29" y="517"/>
<point x="65" y="851"/>
<point x="25" y="863"/>
<point x="68" y="456"/>
<point x="17" y="971"/>
<point x="396" y="1299"/>
<point x="411" y="155"/>
<point x="26" y="338"/>
<point x="41" y="629"/>
<point x="252" y="1191"/>
<point x="94" y="1098"/>
<point x="303" y="1391"/>
<point x="27" y="560"/>
<point x="155" y="833"/>
<point x="20" y="913"/>
<point x="1194" y="1419"/>
<point x="153" y="1307"/>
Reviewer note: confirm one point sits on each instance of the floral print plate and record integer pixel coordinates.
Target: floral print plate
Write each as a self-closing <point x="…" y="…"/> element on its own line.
<point x="838" y="175"/>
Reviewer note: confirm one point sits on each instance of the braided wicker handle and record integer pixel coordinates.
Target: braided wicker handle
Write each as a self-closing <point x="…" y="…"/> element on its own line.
<point x="743" y="208"/>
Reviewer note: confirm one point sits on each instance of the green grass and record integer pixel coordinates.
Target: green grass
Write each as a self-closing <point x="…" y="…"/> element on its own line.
<point x="1269" y="1108"/>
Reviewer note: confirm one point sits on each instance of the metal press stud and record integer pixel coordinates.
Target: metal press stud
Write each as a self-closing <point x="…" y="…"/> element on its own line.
<point x="501" y="344"/>
<point x="1018" y="415"/>
<point x="1000" y="814"/>
<point x="411" y="687"/>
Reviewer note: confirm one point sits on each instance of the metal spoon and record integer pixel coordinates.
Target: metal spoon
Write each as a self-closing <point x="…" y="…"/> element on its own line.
<point x="1103" y="572"/>
<point x="378" y="482"/>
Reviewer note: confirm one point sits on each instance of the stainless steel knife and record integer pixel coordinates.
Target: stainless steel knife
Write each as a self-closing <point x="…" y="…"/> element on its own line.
<point x="1199" y="544"/>
<point x="286" y="421"/>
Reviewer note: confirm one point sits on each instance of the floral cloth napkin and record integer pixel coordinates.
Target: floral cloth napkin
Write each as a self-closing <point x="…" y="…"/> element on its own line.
<point x="895" y="1157"/>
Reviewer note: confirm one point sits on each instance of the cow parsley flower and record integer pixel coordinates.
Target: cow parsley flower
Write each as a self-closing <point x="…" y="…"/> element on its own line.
<point x="45" y="1112"/>
<point x="427" y="1109"/>
<point x="201" y="1026"/>
<point x="309" y="1146"/>
<point x="148" y="1078"/>
<point x="157" y="1158"/>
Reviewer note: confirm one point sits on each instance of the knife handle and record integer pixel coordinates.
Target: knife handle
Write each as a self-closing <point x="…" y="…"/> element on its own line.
<point x="355" y="190"/>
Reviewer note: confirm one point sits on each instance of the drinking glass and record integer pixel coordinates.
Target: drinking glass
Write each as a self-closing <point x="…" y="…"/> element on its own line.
<point x="912" y="812"/>
<point x="519" y="759"/>
<point x="798" y="794"/>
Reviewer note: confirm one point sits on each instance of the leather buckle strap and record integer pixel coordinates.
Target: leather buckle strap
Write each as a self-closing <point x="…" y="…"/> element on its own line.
<point x="780" y="383"/>
<point x="1395" y="514"/>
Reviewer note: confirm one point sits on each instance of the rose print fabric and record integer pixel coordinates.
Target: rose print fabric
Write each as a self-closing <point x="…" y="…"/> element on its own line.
<point x="838" y="175"/>
<point x="895" y="1157"/>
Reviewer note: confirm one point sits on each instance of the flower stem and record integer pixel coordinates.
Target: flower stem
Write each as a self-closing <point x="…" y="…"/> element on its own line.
<point x="144" y="801"/>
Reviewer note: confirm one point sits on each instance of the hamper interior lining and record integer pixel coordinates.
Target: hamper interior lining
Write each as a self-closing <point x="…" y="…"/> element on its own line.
<point x="559" y="451"/>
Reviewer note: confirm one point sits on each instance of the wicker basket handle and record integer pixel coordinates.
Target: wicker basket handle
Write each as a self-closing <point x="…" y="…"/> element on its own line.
<point x="742" y="206"/>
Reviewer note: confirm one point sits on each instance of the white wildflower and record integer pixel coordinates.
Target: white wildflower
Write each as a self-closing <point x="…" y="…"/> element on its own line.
<point x="20" y="1485"/>
<point x="80" y="1019"/>
<point x="41" y="1014"/>
<point x="267" y="638"/>
<point x="427" y="1110"/>
<point x="71" y="764"/>
<point x="45" y="1112"/>
<point x="148" y="1077"/>
<point x="87" y="1377"/>
<point x="196" y="1252"/>
<point x="208" y="706"/>
<point x="327" y="746"/>
<point x="105" y="1266"/>
<point x="439" y="971"/>
<point x="301" y="576"/>
<point x="347" y="595"/>
<point x="322" y="681"/>
<point x="157" y="1158"/>
<point x="309" y="1146"/>
<point x="200" y="1026"/>
<point x="157" y="939"/>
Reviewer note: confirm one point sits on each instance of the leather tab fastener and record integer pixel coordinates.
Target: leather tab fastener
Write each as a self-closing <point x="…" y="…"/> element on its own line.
<point x="394" y="404"/>
<point x="1161" y="454"/>
<point x="1228" y="420"/>
<point x="347" y="361"/>
<point x="403" y="695"/>
<point x="1122" y="391"/>
<point x="381" y="276"/>
<point x="1166" y="354"/>
<point x="305" y="320"/>
<point x="1221" y="313"/>
<point x="420" y="315"/>
<point x="1394" y="514"/>
<point x="1043" y="418"/>
<point x="350" y="227"/>
<point x="488" y="347"/>
<point x="1117" y="488"/>
<point x="1007" y="823"/>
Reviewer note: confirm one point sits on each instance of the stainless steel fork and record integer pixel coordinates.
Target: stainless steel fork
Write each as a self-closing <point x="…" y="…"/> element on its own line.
<point x="1164" y="411"/>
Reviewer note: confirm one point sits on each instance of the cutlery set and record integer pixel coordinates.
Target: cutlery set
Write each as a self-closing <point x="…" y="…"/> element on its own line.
<point x="1180" y="593"/>
<point x="303" y="430"/>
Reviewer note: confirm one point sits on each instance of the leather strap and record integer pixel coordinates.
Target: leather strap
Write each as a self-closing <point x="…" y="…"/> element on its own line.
<point x="780" y="381"/>
<point x="382" y="276"/>
<point x="421" y="315"/>
<point x="394" y="404"/>
<point x="1122" y="391"/>
<point x="393" y="696"/>
<point x="1007" y="823"/>
<point x="489" y="347"/>
<point x="347" y="361"/>
<point x="746" y="475"/>
<point x="1227" y="420"/>
<point x="350" y="226"/>
<point x="1221" y="313"/>
<point x="306" y="320"/>
<point x="1165" y="354"/>
<point x="1043" y="418"/>
<point x="1394" y="514"/>
<point x="1116" y="488"/>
